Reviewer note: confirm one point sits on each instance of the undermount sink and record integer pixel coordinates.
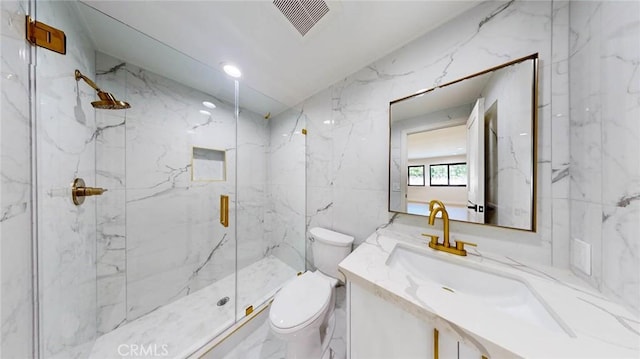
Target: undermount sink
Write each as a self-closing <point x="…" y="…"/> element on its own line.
<point x="501" y="292"/>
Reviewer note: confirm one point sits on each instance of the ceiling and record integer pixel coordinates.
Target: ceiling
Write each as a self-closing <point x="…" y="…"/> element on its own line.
<point x="441" y="98"/>
<point x="444" y="142"/>
<point x="275" y="59"/>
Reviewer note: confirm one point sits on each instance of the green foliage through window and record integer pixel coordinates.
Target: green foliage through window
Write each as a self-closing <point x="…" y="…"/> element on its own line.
<point x="416" y="175"/>
<point x="448" y="174"/>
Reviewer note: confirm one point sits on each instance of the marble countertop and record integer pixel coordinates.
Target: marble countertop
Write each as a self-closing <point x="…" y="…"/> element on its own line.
<point x="597" y="327"/>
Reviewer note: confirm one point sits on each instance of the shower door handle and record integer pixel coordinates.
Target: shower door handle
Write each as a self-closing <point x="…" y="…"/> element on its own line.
<point x="224" y="210"/>
<point x="436" y="344"/>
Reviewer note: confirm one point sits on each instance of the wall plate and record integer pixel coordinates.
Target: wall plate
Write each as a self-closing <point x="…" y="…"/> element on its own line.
<point x="581" y="255"/>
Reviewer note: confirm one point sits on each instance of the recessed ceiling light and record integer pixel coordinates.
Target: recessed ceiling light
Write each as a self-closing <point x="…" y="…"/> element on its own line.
<point x="205" y="112"/>
<point x="208" y="104"/>
<point x="232" y="70"/>
<point x="523" y="134"/>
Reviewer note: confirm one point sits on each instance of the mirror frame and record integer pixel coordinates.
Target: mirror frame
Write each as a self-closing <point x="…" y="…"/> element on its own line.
<point x="534" y="140"/>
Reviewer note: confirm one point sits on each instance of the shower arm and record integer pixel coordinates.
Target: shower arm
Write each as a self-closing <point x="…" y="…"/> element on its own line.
<point x="107" y="100"/>
<point x="79" y="76"/>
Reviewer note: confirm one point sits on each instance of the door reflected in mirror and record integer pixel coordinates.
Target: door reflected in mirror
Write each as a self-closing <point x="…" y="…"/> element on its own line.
<point x="470" y="144"/>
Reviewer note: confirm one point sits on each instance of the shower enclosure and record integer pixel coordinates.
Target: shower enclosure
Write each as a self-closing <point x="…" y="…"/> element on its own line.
<point x="159" y="264"/>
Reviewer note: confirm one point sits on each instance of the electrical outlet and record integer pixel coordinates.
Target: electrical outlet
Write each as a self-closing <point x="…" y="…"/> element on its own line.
<point x="581" y="255"/>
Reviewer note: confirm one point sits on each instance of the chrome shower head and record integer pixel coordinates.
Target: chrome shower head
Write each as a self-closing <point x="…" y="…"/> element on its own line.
<point x="107" y="100"/>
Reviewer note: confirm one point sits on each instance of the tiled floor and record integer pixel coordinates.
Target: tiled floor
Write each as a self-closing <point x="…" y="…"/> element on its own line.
<point x="262" y="344"/>
<point x="181" y="327"/>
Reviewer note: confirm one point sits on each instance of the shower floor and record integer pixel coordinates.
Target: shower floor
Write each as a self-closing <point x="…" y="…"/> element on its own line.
<point x="179" y="328"/>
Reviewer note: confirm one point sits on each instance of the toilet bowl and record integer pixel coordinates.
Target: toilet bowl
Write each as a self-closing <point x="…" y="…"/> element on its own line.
<point x="299" y="315"/>
<point x="302" y="312"/>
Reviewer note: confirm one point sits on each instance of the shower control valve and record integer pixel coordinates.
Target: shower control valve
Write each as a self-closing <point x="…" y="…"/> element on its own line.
<point x="79" y="191"/>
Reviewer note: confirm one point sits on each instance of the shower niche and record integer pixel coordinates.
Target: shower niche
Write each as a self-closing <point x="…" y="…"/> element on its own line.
<point x="208" y="164"/>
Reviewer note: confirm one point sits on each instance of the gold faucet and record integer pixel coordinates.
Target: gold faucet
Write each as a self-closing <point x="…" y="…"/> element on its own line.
<point x="445" y="245"/>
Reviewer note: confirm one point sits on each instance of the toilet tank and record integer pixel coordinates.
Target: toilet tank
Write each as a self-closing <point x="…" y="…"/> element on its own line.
<point x="329" y="249"/>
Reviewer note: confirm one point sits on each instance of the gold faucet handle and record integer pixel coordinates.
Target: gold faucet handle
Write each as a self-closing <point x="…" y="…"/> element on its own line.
<point x="460" y="244"/>
<point x="434" y="239"/>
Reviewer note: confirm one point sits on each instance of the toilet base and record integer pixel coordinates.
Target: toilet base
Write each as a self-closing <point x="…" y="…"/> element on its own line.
<point x="331" y="354"/>
<point x="312" y="341"/>
<point x="311" y="347"/>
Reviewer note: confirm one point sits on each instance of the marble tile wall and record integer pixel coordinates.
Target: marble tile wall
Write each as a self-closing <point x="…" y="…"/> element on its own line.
<point x="347" y="174"/>
<point x="253" y="156"/>
<point x="510" y="178"/>
<point x="560" y="133"/>
<point x="285" y="225"/>
<point x="159" y="233"/>
<point x="16" y="312"/>
<point x="66" y="132"/>
<point x="604" y="170"/>
<point x="110" y="211"/>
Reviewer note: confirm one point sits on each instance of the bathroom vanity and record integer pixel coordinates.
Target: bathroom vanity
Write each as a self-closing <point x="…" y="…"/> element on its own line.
<point x="405" y="300"/>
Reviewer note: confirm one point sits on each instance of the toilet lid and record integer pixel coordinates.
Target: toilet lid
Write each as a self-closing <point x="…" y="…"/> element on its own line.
<point x="300" y="301"/>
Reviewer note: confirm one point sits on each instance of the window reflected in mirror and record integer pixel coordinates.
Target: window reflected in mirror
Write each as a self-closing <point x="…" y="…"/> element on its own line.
<point x="416" y="176"/>
<point x="448" y="174"/>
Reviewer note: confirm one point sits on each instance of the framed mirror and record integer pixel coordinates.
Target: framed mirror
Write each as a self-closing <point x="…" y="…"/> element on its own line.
<point x="475" y="140"/>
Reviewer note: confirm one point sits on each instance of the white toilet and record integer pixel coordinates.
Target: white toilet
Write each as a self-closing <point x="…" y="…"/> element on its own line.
<point x="302" y="311"/>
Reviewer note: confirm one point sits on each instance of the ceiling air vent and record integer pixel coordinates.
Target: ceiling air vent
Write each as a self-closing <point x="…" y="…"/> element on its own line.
<point x="302" y="14"/>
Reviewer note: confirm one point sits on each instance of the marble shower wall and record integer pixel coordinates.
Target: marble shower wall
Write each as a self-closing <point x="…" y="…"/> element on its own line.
<point x="175" y="243"/>
<point x="253" y="155"/>
<point x="16" y="312"/>
<point x="604" y="71"/>
<point x="347" y="176"/>
<point x="110" y="211"/>
<point x="159" y="237"/>
<point x="285" y="223"/>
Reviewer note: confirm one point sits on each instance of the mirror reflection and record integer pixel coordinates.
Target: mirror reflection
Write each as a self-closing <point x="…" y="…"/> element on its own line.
<point x="470" y="144"/>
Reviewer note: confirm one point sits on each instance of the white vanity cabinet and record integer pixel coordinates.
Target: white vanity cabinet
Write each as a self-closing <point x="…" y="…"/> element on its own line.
<point x="380" y="329"/>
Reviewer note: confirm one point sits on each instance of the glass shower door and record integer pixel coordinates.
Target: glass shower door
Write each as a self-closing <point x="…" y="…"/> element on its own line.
<point x="271" y="197"/>
<point x="154" y="255"/>
<point x="65" y="128"/>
